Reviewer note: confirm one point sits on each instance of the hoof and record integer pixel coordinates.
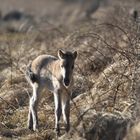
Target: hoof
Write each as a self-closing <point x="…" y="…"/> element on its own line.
<point x="67" y="128"/>
<point x="36" y="130"/>
<point x="30" y="127"/>
<point x="57" y="131"/>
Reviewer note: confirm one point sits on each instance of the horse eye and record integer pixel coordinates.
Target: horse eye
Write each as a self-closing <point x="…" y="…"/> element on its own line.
<point x="62" y="65"/>
<point x="72" y="67"/>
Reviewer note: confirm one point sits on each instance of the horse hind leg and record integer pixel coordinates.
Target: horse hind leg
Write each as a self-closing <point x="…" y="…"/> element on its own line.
<point x="58" y="111"/>
<point x="30" y="120"/>
<point x="32" y="116"/>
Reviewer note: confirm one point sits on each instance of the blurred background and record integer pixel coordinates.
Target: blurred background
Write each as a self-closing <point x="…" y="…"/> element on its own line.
<point x="23" y="14"/>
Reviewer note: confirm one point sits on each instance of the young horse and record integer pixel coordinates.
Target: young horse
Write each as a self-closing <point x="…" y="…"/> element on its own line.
<point x="55" y="74"/>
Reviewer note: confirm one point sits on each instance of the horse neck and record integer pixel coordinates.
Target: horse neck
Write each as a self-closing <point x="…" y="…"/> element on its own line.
<point x="56" y="71"/>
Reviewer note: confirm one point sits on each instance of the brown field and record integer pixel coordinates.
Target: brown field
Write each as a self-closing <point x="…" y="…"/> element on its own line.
<point x="105" y="103"/>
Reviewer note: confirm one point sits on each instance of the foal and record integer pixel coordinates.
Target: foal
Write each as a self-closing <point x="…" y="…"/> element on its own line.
<point x="55" y="74"/>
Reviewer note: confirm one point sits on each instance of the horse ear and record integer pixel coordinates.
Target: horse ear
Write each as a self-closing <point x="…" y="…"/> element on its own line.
<point x="75" y="54"/>
<point x="61" y="54"/>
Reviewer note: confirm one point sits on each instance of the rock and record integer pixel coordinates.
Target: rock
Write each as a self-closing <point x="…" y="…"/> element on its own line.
<point x="108" y="127"/>
<point x="14" y="15"/>
<point x="133" y="133"/>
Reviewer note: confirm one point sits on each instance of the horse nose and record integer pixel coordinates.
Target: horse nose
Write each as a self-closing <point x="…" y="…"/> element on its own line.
<point x="66" y="82"/>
